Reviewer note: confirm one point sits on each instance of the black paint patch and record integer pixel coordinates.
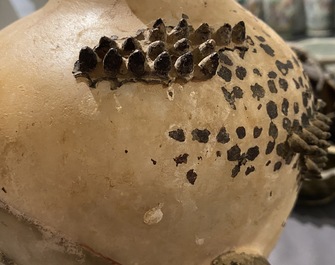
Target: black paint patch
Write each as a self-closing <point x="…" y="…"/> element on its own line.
<point x="273" y="130"/>
<point x="230" y="97"/>
<point x="297" y="86"/>
<point x="191" y="176"/>
<point x="250" y="41"/>
<point x="271" y="109"/>
<point x="272" y="74"/>
<point x="177" y="135"/>
<point x="283" y="150"/>
<point x="223" y="137"/>
<point x="202" y="136"/>
<point x="234" y="153"/>
<point x="241" y="72"/>
<point x="225" y="59"/>
<point x="284" y="67"/>
<point x="301" y="82"/>
<point x="305" y="99"/>
<point x="252" y="153"/>
<point x="257" y="72"/>
<point x="296" y="127"/>
<point x="269" y="148"/>
<point x="295" y="60"/>
<point x="154" y="162"/>
<point x="181" y="159"/>
<point x="267" y="48"/>
<point x="260" y="38"/>
<point x="304" y="119"/>
<point x="287" y="124"/>
<point x="235" y="171"/>
<point x="284" y="106"/>
<point x="218" y="154"/>
<point x="257" y="131"/>
<point x="257" y="91"/>
<point x="277" y="166"/>
<point x="296" y="107"/>
<point x="240" y="131"/>
<point x="309" y="112"/>
<point x="225" y="73"/>
<point x="272" y="86"/>
<point x="249" y="170"/>
<point x="283" y="84"/>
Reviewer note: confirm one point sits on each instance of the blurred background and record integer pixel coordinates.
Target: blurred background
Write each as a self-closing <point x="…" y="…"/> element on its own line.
<point x="309" y="235"/>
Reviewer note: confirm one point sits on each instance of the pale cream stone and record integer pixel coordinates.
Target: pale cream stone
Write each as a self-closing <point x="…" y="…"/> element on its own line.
<point x="78" y="160"/>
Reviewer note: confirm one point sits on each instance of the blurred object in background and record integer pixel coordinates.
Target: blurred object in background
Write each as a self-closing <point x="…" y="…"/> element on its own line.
<point x="11" y="10"/>
<point x="294" y="19"/>
<point x="254" y="6"/>
<point x="319" y="17"/>
<point x="285" y="17"/>
<point x="321" y="191"/>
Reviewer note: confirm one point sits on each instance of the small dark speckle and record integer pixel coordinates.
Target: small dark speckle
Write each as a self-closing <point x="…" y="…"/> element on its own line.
<point x="218" y="153"/>
<point x="249" y="170"/>
<point x="126" y="151"/>
<point x="191" y="176"/>
<point x="154" y="162"/>
<point x="259" y="106"/>
<point x="199" y="158"/>
<point x="202" y="136"/>
<point x="268" y="163"/>
<point x="181" y="159"/>
<point x="177" y="135"/>
<point x="270" y="194"/>
<point x="240" y="131"/>
<point x="277" y="166"/>
<point x="4" y="190"/>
